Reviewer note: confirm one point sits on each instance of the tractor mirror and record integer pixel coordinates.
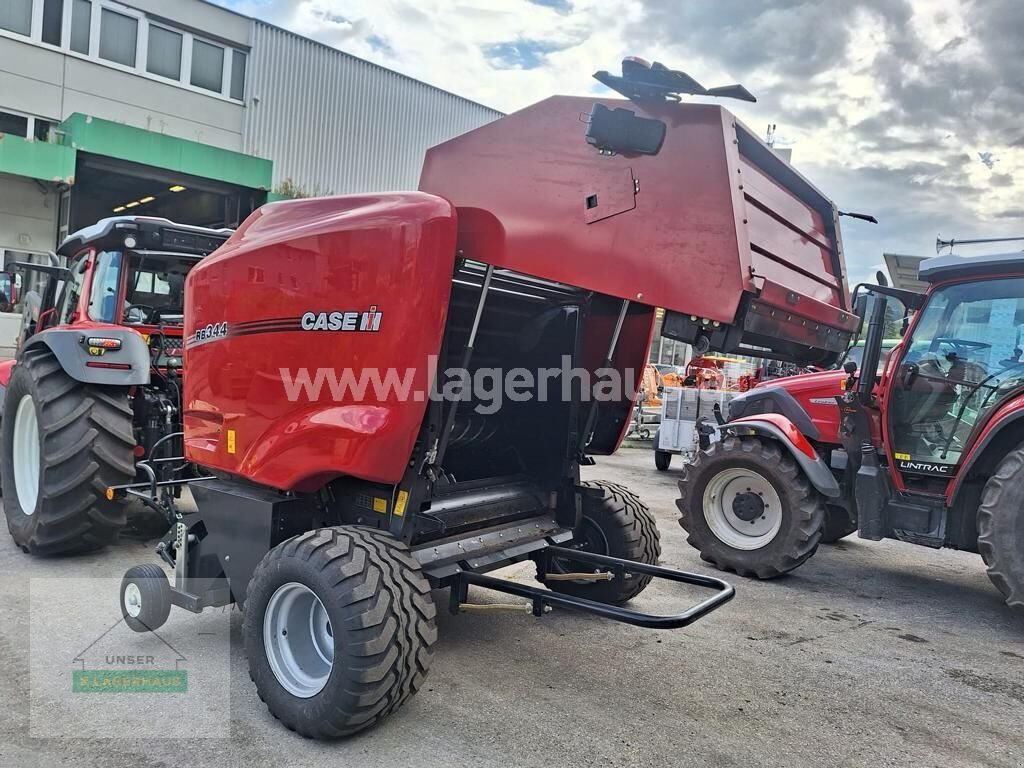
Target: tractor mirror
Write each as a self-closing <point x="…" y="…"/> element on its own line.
<point x="621" y="131"/>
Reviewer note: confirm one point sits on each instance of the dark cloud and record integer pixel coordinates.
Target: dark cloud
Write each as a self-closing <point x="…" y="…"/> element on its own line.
<point x="1011" y="213"/>
<point x="938" y="102"/>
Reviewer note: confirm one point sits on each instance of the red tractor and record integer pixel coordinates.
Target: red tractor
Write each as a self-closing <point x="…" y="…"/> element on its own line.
<point x="333" y="501"/>
<point x="95" y="385"/>
<point x="929" y="450"/>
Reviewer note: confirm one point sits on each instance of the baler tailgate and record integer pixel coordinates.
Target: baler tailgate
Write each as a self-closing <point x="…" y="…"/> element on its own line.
<point x="618" y="568"/>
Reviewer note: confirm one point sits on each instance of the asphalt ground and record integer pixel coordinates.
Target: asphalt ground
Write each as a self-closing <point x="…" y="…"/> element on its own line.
<point x="872" y="653"/>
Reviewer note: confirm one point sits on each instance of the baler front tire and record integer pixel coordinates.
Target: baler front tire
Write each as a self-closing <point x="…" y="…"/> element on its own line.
<point x="379" y="616"/>
<point x="617" y="523"/>
<point x="83" y="444"/>
<point x="1001" y="528"/>
<point x="750" y="461"/>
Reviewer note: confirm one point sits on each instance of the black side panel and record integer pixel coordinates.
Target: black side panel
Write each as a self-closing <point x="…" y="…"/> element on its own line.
<point x="70" y="347"/>
<point x="773" y="400"/>
<point x="237" y="524"/>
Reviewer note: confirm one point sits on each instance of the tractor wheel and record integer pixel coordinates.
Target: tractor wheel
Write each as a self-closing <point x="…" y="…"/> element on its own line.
<point x="338" y="628"/>
<point x="662" y="459"/>
<point x="838" y="524"/>
<point x="1001" y="528"/>
<point x="64" y="443"/>
<point x="748" y="508"/>
<point x="614" y="523"/>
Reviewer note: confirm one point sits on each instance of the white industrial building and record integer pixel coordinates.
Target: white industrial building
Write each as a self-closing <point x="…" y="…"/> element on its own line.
<point x="184" y="109"/>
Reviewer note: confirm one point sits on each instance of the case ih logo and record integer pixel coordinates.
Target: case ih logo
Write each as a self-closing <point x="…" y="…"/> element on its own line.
<point x="342" y="321"/>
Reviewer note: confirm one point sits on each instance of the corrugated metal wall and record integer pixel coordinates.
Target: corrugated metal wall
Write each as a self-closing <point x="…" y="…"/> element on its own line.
<point x="335" y="124"/>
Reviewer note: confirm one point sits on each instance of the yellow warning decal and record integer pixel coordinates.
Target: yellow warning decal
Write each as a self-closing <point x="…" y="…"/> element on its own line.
<point x="380" y="505"/>
<point x="231" y="441"/>
<point x="902" y="456"/>
<point x="403" y="499"/>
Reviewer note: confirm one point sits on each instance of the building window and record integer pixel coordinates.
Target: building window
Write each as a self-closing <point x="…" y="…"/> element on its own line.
<point x="163" y="56"/>
<point x="207" y="66"/>
<point x="16" y="16"/>
<point x="13" y="125"/>
<point x="237" y="75"/>
<point x="53" y="21"/>
<point x="118" y="38"/>
<point x="81" y="20"/>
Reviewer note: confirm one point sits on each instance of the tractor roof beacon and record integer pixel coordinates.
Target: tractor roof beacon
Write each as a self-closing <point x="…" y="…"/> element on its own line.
<point x="928" y="451"/>
<point x="97" y="382"/>
<point x="333" y="513"/>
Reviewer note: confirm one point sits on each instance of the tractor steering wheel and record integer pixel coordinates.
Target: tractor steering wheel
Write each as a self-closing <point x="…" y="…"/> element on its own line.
<point x="137" y="313"/>
<point x="962" y="344"/>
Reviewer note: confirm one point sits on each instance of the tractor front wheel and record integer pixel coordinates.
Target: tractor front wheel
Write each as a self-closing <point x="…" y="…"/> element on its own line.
<point x="748" y="508"/>
<point x="64" y="443"/>
<point x="338" y="628"/>
<point x="1001" y="528"/>
<point x="615" y="522"/>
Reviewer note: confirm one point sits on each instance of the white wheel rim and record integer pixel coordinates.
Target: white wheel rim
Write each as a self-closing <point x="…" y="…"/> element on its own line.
<point x="727" y="501"/>
<point x="298" y="640"/>
<point x="26" y="455"/>
<point x="133" y="600"/>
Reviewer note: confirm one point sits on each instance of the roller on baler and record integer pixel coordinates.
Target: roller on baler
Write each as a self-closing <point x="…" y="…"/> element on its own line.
<point x="541" y="242"/>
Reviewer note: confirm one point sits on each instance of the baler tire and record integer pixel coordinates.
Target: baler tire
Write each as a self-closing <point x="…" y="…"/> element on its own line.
<point x="1001" y="528"/>
<point x="373" y="591"/>
<point x="838" y="525"/>
<point x="86" y="445"/>
<point x="628" y="531"/>
<point x="802" y="508"/>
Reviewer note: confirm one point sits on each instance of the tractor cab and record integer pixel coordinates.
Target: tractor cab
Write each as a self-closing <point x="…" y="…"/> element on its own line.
<point x="126" y="271"/>
<point x="918" y="440"/>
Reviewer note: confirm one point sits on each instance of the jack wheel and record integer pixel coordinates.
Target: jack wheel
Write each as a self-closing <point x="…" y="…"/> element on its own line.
<point x="615" y="522"/>
<point x="145" y="598"/>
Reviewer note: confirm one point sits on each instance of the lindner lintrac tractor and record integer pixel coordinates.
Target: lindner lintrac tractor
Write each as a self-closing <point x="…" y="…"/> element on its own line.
<point x="96" y="383"/>
<point x="539" y="241"/>
<point x="925" y="445"/>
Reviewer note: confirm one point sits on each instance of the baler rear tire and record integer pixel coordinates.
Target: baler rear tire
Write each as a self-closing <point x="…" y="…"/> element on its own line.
<point x="86" y="444"/>
<point x="801" y="513"/>
<point x="1001" y="528"/>
<point x="381" y="623"/>
<point x="627" y="530"/>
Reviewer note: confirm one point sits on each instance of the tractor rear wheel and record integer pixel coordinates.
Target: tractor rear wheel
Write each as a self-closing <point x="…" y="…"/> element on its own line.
<point x="615" y="522"/>
<point x="338" y="628"/>
<point x="64" y="443"/>
<point x="1001" y="528"/>
<point x="748" y="508"/>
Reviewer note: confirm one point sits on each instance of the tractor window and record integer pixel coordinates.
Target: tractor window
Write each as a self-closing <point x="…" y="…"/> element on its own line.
<point x="965" y="357"/>
<point x="156" y="288"/>
<point x="106" y="281"/>
<point x="71" y="291"/>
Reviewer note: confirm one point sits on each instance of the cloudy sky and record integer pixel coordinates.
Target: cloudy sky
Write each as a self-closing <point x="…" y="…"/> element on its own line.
<point x="888" y="105"/>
